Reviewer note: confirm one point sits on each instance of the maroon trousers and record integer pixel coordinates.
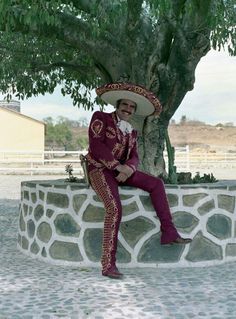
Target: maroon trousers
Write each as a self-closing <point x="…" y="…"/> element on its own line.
<point x="106" y="186"/>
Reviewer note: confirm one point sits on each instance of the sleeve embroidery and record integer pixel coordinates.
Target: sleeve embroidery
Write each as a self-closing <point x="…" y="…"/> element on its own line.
<point x="96" y="127"/>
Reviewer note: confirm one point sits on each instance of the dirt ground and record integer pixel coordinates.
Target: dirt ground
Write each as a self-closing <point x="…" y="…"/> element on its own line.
<point x="206" y="137"/>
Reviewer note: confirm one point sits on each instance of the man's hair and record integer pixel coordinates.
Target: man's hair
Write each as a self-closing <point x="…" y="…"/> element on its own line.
<point x="118" y="104"/>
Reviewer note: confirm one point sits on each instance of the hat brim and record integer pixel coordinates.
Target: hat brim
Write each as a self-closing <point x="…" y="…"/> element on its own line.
<point x="144" y="107"/>
<point x="147" y="103"/>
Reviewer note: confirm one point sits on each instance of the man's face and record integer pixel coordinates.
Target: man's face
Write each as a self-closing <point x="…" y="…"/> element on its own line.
<point x="126" y="109"/>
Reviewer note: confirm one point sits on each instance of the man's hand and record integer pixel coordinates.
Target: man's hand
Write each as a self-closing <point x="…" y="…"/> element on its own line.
<point x="125" y="169"/>
<point x="121" y="177"/>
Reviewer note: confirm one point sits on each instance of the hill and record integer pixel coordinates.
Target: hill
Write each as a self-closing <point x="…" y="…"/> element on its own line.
<point x="197" y="136"/>
<point x="203" y="136"/>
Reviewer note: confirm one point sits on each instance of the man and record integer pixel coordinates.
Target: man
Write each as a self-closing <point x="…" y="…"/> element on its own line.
<point x="113" y="160"/>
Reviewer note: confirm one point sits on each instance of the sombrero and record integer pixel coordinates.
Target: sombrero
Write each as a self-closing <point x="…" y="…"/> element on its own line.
<point x="146" y="101"/>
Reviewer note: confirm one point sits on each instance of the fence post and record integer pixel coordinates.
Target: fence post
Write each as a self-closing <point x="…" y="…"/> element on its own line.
<point x="187" y="157"/>
<point x="43" y="157"/>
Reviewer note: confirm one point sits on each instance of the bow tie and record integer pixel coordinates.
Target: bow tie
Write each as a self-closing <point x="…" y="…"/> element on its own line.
<point x="125" y="127"/>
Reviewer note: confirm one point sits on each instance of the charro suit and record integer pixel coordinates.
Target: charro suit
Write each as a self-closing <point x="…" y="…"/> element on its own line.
<point x="109" y="147"/>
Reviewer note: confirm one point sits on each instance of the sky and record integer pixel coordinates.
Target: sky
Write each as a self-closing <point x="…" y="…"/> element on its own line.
<point x="213" y="99"/>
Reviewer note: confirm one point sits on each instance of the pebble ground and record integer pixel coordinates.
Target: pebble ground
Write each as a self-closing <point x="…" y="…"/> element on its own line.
<point x="32" y="289"/>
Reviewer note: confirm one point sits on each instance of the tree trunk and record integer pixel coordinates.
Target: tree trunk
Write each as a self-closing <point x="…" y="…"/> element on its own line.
<point x="151" y="144"/>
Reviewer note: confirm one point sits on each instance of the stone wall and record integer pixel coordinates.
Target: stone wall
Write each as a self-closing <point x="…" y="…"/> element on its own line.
<point x="62" y="223"/>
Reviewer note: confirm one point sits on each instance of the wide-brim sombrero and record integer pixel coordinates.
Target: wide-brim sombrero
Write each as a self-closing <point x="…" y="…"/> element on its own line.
<point x="147" y="102"/>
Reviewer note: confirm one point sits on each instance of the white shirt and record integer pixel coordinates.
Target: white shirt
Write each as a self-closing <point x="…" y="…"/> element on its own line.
<point x="124" y="126"/>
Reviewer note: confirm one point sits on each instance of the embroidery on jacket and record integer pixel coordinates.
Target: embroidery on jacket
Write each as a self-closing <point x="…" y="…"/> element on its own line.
<point x="96" y="127"/>
<point x="118" y="150"/>
<point x="112" y="218"/>
<point x="109" y="164"/>
<point x="118" y="132"/>
<point x="111" y="133"/>
<point x="131" y="144"/>
<point x="92" y="161"/>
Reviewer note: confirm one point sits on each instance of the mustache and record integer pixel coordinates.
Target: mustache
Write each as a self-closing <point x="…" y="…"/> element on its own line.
<point x="126" y="112"/>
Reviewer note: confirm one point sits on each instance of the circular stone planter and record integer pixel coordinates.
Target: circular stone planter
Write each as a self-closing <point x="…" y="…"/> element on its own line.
<point x="62" y="223"/>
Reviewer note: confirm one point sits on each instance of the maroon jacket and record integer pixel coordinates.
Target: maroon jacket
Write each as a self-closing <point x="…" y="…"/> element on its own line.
<point x="108" y="146"/>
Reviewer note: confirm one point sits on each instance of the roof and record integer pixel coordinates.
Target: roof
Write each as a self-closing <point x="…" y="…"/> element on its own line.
<point x="20" y="114"/>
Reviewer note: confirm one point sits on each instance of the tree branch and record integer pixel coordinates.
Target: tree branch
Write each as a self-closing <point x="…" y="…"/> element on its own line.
<point x="134" y="10"/>
<point x="68" y="65"/>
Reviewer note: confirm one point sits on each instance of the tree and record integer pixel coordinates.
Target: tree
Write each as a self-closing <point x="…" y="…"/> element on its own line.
<point x="183" y="120"/>
<point x="50" y="132"/>
<point x="86" y="43"/>
<point x="58" y="134"/>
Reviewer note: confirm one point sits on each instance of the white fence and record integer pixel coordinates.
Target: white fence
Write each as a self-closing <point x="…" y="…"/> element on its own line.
<point x="54" y="162"/>
<point x="187" y="160"/>
<point x="40" y="162"/>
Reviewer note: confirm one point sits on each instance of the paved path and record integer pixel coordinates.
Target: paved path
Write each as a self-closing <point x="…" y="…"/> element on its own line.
<point x="32" y="289"/>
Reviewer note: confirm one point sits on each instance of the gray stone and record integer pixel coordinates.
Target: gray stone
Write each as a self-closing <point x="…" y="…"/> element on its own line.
<point x="191" y="200"/>
<point x="124" y="197"/>
<point x="19" y="239"/>
<point x="30" y="228"/>
<point x="26" y="195"/>
<point x="152" y="251"/>
<point x="78" y="201"/>
<point x="38" y="212"/>
<point x="122" y="254"/>
<point x="96" y="198"/>
<point x="34" y="248"/>
<point x="93" y="214"/>
<point x="169" y="186"/>
<point x="206" y="207"/>
<point x="226" y="202"/>
<point x="147" y="203"/>
<point x="49" y="213"/>
<point x="65" y="251"/>
<point x="231" y="250"/>
<point x="30" y="210"/>
<point x="25" y="243"/>
<point x="128" y="188"/>
<point x="41" y="195"/>
<point x="30" y="184"/>
<point x="93" y="246"/>
<point x="93" y="243"/>
<point x="44" y="253"/>
<point x="33" y="197"/>
<point x="202" y="249"/>
<point x="219" y="226"/>
<point x="60" y="186"/>
<point x="134" y="229"/>
<point x="129" y="209"/>
<point x="173" y="200"/>
<point x="44" y="232"/>
<point x="78" y="186"/>
<point x="192" y="186"/>
<point x="21" y="222"/>
<point x="65" y="225"/>
<point x="25" y="209"/>
<point x="59" y="200"/>
<point x="46" y="184"/>
<point x="217" y="187"/>
<point x="185" y="222"/>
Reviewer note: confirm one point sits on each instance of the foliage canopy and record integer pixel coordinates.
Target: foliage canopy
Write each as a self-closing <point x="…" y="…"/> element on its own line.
<point x="81" y="44"/>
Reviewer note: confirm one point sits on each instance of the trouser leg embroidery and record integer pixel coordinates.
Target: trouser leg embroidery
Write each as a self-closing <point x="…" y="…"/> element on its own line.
<point x="105" y="185"/>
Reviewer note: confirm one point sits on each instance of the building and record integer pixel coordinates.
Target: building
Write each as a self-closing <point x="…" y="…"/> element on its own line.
<point x="18" y="132"/>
